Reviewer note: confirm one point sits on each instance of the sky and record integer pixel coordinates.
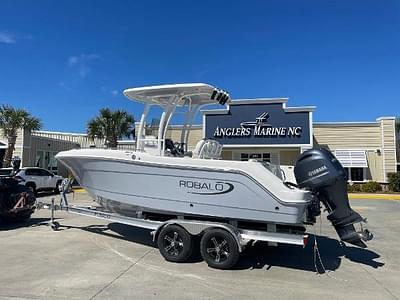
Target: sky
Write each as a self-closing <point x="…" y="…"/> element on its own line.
<point x="64" y="60"/>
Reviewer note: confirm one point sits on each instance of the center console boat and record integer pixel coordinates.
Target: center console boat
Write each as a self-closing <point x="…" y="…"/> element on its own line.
<point x="163" y="180"/>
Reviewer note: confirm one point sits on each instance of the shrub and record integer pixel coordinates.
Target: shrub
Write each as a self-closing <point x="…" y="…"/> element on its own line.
<point x="394" y="182"/>
<point x="353" y="188"/>
<point x="371" y="187"/>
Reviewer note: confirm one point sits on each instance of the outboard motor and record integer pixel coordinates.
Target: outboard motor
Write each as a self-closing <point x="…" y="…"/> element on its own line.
<point x="318" y="170"/>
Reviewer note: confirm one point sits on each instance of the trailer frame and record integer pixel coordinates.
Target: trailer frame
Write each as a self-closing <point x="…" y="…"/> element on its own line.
<point x="241" y="236"/>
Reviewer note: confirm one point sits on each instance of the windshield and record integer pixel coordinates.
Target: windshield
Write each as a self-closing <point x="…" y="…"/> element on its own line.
<point x="274" y="169"/>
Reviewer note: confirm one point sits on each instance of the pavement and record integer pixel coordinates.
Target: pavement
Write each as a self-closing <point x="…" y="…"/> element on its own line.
<point x="91" y="259"/>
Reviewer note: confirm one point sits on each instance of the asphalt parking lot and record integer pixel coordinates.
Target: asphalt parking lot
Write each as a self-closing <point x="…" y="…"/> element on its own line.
<point x="92" y="259"/>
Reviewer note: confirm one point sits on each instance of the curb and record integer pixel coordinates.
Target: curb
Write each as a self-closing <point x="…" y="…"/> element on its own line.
<point x="393" y="197"/>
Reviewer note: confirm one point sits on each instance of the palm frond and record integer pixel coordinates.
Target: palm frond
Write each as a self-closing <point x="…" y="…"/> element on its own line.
<point x="12" y="119"/>
<point x="111" y="125"/>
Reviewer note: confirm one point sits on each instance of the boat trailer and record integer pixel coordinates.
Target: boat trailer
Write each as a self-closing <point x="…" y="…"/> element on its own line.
<point x="220" y="245"/>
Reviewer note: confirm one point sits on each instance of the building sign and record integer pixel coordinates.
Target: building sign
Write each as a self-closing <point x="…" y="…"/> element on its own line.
<point x="259" y="124"/>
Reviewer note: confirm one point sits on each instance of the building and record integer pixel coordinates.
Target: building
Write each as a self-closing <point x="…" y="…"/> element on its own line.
<point x="262" y="129"/>
<point x="38" y="148"/>
<point x="269" y="130"/>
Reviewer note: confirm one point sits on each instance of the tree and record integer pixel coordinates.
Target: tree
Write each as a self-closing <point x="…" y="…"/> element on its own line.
<point x="111" y="126"/>
<point x="12" y="119"/>
<point x="398" y="125"/>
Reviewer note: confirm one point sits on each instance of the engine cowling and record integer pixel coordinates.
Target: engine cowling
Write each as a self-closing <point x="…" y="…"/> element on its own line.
<point x="318" y="170"/>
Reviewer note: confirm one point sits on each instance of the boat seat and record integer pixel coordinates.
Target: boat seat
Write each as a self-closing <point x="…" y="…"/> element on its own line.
<point x="207" y="149"/>
<point x="173" y="148"/>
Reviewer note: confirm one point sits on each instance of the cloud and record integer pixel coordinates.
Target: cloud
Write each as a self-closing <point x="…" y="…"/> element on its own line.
<point x="7" y="38"/>
<point x="64" y="86"/>
<point x="82" y="63"/>
<point x="72" y="60"/>
<point x="12" y="38"/>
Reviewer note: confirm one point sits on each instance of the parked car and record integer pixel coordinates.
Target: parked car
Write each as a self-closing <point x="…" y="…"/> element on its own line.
<point x="39" y="179"/>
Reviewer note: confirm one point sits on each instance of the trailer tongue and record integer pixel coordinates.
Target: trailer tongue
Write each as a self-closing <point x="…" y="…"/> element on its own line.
<point x="320" y="172"/>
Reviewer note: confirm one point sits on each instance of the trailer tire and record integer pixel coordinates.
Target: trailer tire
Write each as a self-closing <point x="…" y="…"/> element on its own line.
<point x="175" y="243"/>
<point x="219" y="249"/>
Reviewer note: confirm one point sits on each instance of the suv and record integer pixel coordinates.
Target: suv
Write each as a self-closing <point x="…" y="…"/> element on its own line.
<point x="39" y="179"/>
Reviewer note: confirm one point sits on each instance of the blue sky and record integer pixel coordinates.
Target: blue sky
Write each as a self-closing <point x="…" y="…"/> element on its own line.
<point x="63" y="60"/>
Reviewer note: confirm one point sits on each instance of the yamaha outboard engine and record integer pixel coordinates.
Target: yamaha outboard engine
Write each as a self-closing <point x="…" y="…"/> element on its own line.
<point x="319" y="171"/>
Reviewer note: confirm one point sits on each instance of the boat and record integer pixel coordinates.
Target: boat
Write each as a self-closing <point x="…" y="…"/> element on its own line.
<point x="162" y="179"/>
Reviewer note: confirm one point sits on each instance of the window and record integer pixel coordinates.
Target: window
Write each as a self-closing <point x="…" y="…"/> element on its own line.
<point x="356" y="174"/>
<point x="42" y="172"/>
<point x="47" y="159"/>
<point x="53" y="163"/>
<point x="267" y="157"/>
<point x="244" y="156"/>
<point x="39" y="159"/>
<point x="32" y="172"/>
<point x="257" y="156"/>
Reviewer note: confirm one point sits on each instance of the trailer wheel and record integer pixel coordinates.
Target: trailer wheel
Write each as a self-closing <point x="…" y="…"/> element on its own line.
<point x="175" y="243"/>
<point x="219" y="249"/>
<point x="55" y="226"/>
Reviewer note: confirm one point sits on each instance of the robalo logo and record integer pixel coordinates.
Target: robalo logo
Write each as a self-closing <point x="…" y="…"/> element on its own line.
<point x="206" y="188"/>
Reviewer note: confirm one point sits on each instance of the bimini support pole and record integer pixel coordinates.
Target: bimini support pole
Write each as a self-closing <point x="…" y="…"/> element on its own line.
<point x="141" y="134"/>
<point x="165" y="119"/>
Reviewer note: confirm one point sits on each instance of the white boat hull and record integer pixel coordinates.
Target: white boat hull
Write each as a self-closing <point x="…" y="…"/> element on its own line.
<point x="181" y="190"/>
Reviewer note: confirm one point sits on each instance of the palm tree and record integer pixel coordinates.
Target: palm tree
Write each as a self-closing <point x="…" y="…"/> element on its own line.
<point x="12" y="119"/>
<point x="111" y="126"/>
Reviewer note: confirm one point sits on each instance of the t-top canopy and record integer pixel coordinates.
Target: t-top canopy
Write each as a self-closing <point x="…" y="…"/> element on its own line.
<point x="180" y="94"/>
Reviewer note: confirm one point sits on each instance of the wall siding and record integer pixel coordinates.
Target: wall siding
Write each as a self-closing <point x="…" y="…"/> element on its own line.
<point x="289" y="157"/>
<point x="348" y="137"/>
<point x="371" y="137"/>
<point x="82" y="139"/>
<point x="40" y="143"/>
